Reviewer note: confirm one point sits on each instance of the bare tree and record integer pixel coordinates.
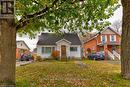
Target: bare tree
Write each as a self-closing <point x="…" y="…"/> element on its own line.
<point x="117" y="25"/>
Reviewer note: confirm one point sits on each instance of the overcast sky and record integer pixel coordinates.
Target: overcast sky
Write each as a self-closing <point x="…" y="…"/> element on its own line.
<point x="32" y="42"/>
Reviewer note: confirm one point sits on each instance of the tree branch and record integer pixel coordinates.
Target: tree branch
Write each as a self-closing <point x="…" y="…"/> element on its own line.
<point x="26" y="18"/>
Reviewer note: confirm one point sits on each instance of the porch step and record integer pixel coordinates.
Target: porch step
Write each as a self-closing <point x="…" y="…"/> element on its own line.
<point x="117" y="55"/>
<point x="111" y="56"/>
<point x="114" y="56"/>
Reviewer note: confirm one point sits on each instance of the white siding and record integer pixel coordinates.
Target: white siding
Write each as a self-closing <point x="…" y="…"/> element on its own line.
<point x="21" y="45"/>
<point x="76" y="54"/>
<point x="59" y="44"/>
<point x="43" y="55"/>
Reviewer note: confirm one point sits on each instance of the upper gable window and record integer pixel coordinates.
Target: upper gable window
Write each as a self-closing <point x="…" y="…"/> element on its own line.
<point x="112" y="38"/>
<point x="103" y="38"/>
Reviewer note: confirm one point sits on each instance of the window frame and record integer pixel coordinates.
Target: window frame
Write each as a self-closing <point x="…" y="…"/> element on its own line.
<point x="105" y="36"/>
<point x="47" y="50"/>
<point x="74" y="50"/>
<point x="114" y="37"/>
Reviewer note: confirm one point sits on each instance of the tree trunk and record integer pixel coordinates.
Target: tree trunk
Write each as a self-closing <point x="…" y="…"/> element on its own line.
<point x="125" y="43"/>
<point x="7" y="53"/>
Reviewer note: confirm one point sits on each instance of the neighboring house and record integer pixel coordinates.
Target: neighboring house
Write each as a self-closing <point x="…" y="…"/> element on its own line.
<point x="106" y="40"/>
<point x="35" y="50"/>
<point x="84" y="37"/>
<point x="22" y="48"/>
<point x="69" y="45"/>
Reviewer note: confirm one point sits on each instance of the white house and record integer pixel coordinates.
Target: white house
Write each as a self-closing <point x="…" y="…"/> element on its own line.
<point x="68" y="44"/>
<point x="22" y="45"/>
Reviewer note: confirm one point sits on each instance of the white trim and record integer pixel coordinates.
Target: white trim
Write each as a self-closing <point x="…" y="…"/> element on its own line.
<point x="63" y="40"/>
<point x="111" y="29"/>
<point x="74" y="47"/>
<point x="47" y="47"/>
<point x="22" y="45"/>
<point x="101" y="38"/>
<point x="115" y="37"/>
<point x="105" y="38"/>
<point x="101" y="34"/>
<point x="111" y="38"/>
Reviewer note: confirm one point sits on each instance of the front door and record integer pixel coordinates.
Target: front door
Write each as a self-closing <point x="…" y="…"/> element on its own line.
<point x="63" y="52"/>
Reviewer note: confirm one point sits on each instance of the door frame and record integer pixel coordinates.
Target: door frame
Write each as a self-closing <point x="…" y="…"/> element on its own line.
<point x="65" y="57"/>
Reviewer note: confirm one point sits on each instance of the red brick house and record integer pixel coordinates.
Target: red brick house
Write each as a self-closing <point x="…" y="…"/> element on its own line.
<point x="106" y="40"/>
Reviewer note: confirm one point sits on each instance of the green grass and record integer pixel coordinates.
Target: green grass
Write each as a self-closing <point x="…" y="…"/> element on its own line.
<point x="70" y="74"/>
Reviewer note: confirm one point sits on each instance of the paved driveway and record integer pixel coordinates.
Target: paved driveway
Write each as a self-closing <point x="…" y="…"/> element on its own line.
<point x="20" y="63"/>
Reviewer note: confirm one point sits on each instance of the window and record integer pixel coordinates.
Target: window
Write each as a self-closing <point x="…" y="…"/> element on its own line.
<point x="104" y="38"/>
<point x="46" y="49"/>
<point x="113" y="38"/>
<point x="73" y="48"/>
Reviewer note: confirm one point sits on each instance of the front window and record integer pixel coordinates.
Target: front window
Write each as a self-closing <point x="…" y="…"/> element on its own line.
<point x="73" y="48"/>
<point x="103" y="38"/>
<point x="46" y="49"/>
<point x="113" y="38"/>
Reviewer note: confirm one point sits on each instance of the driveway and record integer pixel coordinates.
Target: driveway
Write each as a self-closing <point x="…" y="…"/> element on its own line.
<point x="20" y="63"/>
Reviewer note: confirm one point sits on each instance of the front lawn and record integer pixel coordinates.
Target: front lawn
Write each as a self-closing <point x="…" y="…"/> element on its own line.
<point x="70" y="74"/>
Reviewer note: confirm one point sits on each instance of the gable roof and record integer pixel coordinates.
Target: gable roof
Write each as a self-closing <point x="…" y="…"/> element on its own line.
<point x="63" y="40"/>
<point x="111" y="30"/>
<point x="99" y="33"/>
<point x="52" y="38"/>
<point x="24" y="43"/>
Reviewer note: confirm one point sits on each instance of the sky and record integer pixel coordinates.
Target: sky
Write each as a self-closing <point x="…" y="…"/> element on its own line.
<point x="32" y="42"/>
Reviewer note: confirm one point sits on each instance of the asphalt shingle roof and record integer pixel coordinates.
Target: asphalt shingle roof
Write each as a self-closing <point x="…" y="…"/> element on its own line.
<point x="52" y="38"/>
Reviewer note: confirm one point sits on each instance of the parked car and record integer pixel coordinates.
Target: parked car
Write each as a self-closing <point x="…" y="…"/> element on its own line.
<point x="26" y="57"/>
<point x="96" y="56"/>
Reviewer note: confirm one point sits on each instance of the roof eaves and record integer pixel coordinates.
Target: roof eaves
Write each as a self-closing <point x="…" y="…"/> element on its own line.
<point x="63" y="39"/>
<point x="92" y="38"/>
<point x="24" y="43"/>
